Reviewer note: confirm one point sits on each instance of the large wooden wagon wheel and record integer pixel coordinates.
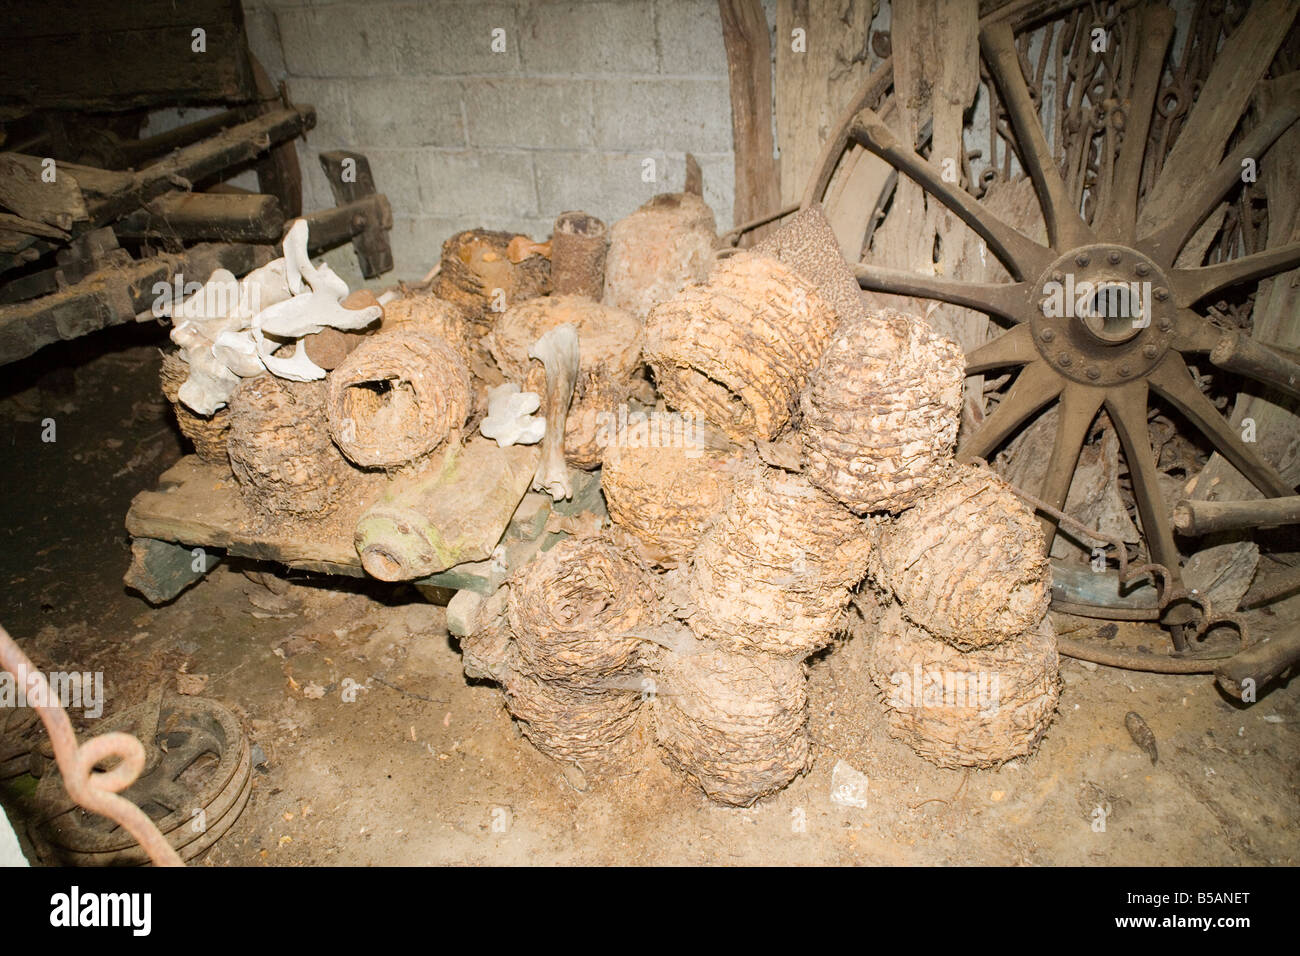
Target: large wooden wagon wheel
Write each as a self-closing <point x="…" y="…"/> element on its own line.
<point x="1113" y="355"/>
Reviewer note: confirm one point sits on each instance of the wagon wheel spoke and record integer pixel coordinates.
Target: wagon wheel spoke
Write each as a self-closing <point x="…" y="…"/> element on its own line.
<point x="1196" y="206"/>
<point x="1127" y="407"/>
<point x="1022" y="256"/>
<point x="1195" y="332"/>
<point x="1119" y="215"/>
<point x="1033" y="388"/>
<point x="1078" y="407"/>
<point x="1172" y="381"/>
<point x="1192" y="285"/>
<point x="1064" y="225"/>
<point x="1013" y="347"/>
<point x="1006" y="299"/>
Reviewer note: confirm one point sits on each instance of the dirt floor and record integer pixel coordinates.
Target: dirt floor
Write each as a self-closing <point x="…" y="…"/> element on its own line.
<point x="425" y="767"/>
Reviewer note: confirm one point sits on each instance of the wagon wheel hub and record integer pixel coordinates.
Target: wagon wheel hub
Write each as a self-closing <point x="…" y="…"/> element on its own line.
<point x="1103" y="315"/>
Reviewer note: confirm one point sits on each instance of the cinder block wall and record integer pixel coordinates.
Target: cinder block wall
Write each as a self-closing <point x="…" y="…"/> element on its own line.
<point x="460" y="136"/>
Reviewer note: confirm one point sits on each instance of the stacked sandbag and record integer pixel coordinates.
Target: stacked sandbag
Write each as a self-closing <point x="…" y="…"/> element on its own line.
<point x="280" y="449"/>
<point x="487" y="272"/>
<point x="967" y="563"/>
<point x="399" y="395"/>
<point x="578" y="247"/>
<point x="976" y="708"/>
<point x="663" y="483"/>
<point x="968" y="582"/>
<point x="738" y="350"/>
<point x="657" y="250"/>
<point x="807" y="244"/>
<point x="438" y="317"/>
<point x="207" y="433"/>
<point x="609" y="350"/>
<point x="564" y="639"/>
<point x="734" y="724"/>
<point x="773" y="573"/>
<point x="880" y="412"/>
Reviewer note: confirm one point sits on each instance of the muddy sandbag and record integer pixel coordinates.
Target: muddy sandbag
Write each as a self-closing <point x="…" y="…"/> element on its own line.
<point x="398" y="396"/>
<point x="609" y="350"/>
<point x="207" y="433"/>
<point x="880" y="412"/>
<point x="965" y="709"/>
<point x="575" y="611"/>
<point x="578" y="246"/>
<point x="280" y="449"/>
<point x="663" y="485"/>
<point x="968" y="562"/>
<point x="806" y="243"/>
<point x="591" y="727"/>
<point x="654" y="252"/>
<point x="773" y="573"/>
<point x="440" y="318"/>
<point x="735" y="724"/>
<point x="738" y="350"/>
<point x="487" y="272"/>
<point x="485" y="649"/>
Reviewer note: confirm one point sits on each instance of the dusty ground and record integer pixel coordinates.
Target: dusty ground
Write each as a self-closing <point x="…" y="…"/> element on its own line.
<point x="426" y="768"/>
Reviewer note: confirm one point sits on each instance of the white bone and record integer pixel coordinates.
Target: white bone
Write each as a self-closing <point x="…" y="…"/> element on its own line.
<point x="238" y="352"/>
<point x="295" y="254"/>
<point x="510" y="418"/>
<point x="296" y="368"/>
<point x="557" y="350"/>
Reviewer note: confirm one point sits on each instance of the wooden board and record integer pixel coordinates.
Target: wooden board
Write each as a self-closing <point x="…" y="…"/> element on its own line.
<point x="198" y="504"/>
<point x="815" y="83"/>
<point x="749" y="66"/>
<point x="94" y="55"/>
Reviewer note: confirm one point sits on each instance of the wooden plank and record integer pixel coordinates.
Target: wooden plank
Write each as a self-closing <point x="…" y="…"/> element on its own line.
<point x="350" y="179"/>
<point x="816" y="79"/>
<point x="26" y="189"/>
<point x="200" y="504"/>
<point x="91" y="55"/>
<point x="328" y="228"/>
<point x="749" y="68"/>
<point x="250" y="217"/>
<point x="201" y="161"/>
<point x="113" y="296"/>
<point x="279" y="173"/>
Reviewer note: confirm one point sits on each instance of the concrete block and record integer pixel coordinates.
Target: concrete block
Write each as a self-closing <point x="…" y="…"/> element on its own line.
<point x="529" y="113"/>
<point x="401" y="111"/>
<point x="397" y="175"/>
<point x="336" y="41"/>
<point x="333" y="129"/>
<point x="452" y="38"/>
<point x="690" y="38"/>
<point x="594" y="38"/>
<point x="607" y="185"/>
<point x="264" y="42"/>
<point x="482" y="182"/>
<point x="669" y="114"/>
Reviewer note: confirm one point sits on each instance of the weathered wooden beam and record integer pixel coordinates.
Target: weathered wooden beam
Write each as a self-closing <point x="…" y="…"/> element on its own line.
<point x="92" y="55"/>
<point x="114" y="295"/>
<point x="1192" y="517"/>
<point x="328" y="228"/>
<point x="1244" y="675"/>
<point x="749" y="67"/>
<point x="250" y="217"/>
<point x="350" y="179"/>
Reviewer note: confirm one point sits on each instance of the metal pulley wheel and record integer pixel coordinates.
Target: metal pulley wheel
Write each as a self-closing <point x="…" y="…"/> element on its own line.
<point x="195" y="783"/>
